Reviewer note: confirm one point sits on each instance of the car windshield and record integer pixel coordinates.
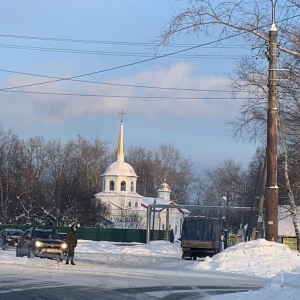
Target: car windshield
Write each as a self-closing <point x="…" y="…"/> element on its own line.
<point x="62" y="235"/>
<point x="45" y="235"/>
<point x="15" y="233"/>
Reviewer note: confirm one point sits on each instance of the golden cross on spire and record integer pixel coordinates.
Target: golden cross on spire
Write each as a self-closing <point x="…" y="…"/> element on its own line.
<point x="122" y="114"/>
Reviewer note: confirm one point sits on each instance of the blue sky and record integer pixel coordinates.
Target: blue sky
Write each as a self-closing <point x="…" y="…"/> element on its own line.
<point x="111" y="39"/>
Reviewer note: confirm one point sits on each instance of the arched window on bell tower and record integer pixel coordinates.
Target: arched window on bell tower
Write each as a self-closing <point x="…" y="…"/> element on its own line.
<point x="123" y="185"/>
<point x="132" y="186"/>
<point x="111" y="185"/>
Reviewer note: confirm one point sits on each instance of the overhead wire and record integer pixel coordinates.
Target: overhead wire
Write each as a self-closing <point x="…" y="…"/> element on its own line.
<point x="114" y="53"/>
<point x="57" y="79"/>
<point x="132" y="97"/>
<point x="122" y="43"/>
<point x="123" y="85"/>
<point x="122" y="66"/>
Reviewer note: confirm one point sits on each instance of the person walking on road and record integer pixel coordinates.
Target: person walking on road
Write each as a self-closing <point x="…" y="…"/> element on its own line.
<point x="71" y="240"/>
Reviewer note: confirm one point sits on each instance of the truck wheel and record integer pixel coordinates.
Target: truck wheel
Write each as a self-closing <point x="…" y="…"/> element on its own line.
<point x="186" y="256"/>
<point x="216" y="251"/>
<point x="194" y="257"/>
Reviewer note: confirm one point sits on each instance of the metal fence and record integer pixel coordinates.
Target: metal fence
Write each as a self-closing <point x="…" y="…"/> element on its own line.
<point x="106" y="234"/>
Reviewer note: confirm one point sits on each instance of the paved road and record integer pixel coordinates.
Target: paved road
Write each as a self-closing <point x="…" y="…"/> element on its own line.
<point x="18" y="288"/>
<point x="111" y="278"/>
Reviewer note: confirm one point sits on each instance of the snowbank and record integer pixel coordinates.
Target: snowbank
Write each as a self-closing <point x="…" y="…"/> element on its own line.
<point x="255" y="258"/>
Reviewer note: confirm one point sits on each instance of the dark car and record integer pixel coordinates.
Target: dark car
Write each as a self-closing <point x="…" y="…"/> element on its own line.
<point x="62" y="235"/>
<point x="9" y="237"/>
<point x="44" y="243"/>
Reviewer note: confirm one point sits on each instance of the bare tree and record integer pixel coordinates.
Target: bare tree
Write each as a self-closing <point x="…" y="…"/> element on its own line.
<point x="197" y="190"/>
<point x="73" y="177"/>
<point x="30" y="185"/>
<point x="176" y="170"/>
<point x="288" y="184"/>
<point x="245" y="20"/>
<point x="95" y="213"/>
<point x="56" y="156"/>
<point x="224" y="186"/>
<point x="10" y="167"/>
<point x="142" y="160"/>
<point x="167" y="163"/>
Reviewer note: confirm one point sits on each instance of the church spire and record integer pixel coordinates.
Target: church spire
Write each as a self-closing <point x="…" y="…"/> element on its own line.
<point x="121" y="140"/>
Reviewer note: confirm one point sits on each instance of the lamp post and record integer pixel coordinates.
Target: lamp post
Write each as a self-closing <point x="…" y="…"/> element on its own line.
<point x="153" y="221"/>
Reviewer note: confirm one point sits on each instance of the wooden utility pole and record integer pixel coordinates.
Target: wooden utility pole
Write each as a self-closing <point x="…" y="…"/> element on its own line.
<point x="272" y="187"/>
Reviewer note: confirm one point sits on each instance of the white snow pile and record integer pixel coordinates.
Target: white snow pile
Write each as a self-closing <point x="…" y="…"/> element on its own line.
<point x="155" y="248"/>
<point x="281" y="287"/>
<point x="255" y="258"/>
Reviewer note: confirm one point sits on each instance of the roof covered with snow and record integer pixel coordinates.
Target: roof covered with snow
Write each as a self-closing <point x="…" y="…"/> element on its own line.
<point x="149" y="200"/>
<point x="119" y="168"/>
<point x="146" y="201"/>
<point x="164" y="187"/>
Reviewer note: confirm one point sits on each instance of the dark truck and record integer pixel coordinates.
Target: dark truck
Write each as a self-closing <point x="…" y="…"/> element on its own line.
<point x="200" y="237"/>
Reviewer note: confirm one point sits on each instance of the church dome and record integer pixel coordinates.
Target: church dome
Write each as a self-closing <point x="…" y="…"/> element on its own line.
<point x="119" y="168"/>
<point x="164" y="187"/>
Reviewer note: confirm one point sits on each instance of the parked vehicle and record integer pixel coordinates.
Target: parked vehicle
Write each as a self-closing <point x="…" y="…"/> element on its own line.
<point x="9" y="237"/>
<point x="201" y="236"/>
<point x="62" y="235"/>
<point x="44" y="243"/>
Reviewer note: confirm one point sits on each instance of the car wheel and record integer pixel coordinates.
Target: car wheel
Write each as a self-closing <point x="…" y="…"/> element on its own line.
<point x="30" y="254"/>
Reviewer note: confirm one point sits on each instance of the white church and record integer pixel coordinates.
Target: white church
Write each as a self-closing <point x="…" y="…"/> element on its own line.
<point x="127" y="208"/>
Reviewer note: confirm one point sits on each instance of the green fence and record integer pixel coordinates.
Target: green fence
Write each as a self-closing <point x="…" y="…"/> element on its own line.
<point x="105" y="234"/>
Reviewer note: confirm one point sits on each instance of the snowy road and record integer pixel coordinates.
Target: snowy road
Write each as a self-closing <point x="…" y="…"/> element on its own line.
<point x="113" y="276"/>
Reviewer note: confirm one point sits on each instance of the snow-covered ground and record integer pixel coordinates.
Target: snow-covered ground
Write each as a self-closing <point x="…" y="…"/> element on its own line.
<point x="268" y="260"/>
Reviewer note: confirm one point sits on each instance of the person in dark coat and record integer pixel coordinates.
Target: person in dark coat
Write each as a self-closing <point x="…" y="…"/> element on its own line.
<point x="71" y="240"/>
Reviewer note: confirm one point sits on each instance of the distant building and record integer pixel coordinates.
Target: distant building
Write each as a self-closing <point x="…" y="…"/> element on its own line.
<point x="286" y="228"/>
<point x="128" y="209"/>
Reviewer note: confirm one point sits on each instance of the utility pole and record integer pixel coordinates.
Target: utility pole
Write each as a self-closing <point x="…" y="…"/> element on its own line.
<point x="272" y="187"/>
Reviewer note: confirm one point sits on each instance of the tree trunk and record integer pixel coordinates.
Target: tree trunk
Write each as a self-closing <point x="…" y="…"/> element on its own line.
<point x="261" y="203"/>
<point x="287" y="182"/>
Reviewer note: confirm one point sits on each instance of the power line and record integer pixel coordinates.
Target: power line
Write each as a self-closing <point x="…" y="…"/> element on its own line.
<point x="119" y="84"/>
<point x="126" y="65"/>
<point x="131" y="97"/>
<point x="114" y="53"/>
<point x="139" y="62"/>
<point x="126" y="43"/>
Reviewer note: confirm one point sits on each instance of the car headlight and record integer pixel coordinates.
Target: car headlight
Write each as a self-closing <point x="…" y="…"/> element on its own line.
<point x="64" y="246"/>
<point x="38" y="244"/>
